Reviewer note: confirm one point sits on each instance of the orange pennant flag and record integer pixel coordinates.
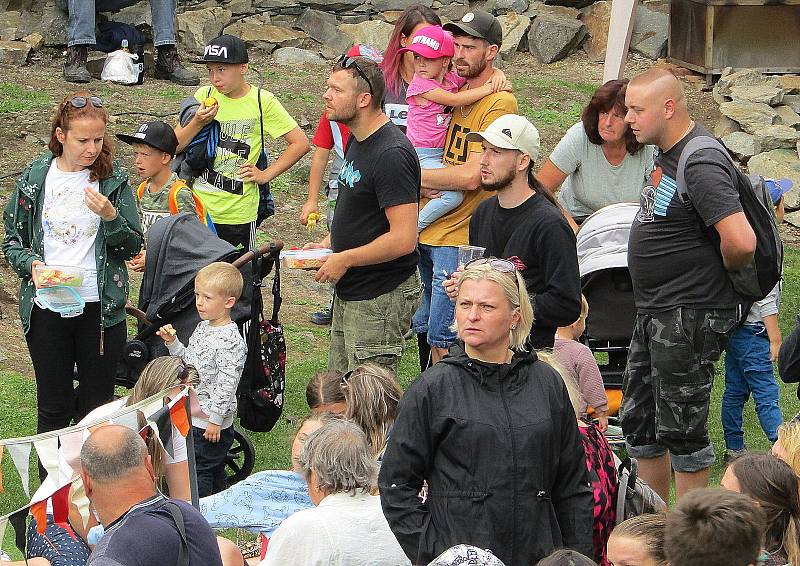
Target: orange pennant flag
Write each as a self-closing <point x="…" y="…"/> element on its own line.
<point x="39" y="512"/>
<point x="179" y="418"/>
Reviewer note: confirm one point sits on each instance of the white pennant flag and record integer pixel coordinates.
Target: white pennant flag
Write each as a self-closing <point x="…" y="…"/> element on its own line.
<point x="21" y="455"/>
<point x="3" y="523"/>
<point x="47" y="450"/>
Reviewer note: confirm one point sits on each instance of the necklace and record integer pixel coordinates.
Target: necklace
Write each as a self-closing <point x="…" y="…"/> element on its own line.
<point x="461" y="108"/>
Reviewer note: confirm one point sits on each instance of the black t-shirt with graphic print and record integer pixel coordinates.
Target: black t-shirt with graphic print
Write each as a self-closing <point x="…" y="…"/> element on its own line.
<point x="672" y="259"/>
<point x="379" y="172"/>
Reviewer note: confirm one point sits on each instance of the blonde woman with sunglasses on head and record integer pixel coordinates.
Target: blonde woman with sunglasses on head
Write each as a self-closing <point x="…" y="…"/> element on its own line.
<point x="492" y="431"/>
<point x="72" y="213"/>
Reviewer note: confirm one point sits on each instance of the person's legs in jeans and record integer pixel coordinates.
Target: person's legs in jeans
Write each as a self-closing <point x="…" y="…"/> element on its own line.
<point x="419" y="322"/>
<point x="209" y="456"/>
<point x="736" y="392"/>
<point x="442" y="309"/>
<point x="225" y="443"/>
<point x="431" y="158"/>
<point x="757" y="370"/>
<point x="81" y="26"/>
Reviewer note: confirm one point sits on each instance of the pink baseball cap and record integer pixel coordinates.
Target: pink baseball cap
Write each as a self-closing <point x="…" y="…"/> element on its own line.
<point x="431" y="42"/>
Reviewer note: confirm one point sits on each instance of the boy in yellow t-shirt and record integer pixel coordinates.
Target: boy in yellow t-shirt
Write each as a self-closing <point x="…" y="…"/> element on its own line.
<point x="229" y="186"/>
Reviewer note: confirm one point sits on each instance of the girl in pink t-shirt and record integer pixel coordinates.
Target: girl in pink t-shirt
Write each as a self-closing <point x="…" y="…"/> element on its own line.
<point x="434" y="87"/>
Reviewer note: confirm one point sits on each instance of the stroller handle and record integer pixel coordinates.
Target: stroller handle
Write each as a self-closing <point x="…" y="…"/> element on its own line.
<point x="272" y="249"/>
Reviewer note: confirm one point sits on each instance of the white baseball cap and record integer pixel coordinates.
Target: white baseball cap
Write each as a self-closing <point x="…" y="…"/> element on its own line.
<point x="511" y="131"/>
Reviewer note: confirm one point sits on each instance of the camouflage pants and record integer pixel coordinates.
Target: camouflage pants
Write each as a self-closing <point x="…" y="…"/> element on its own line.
<point x="667" y="384"/>
<point x="372" y="330"/>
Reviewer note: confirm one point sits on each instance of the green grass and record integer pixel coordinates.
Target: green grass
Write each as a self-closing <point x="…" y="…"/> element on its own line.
<point x="171" y="93"/>
<point x="548" y="84"/>
<point x="16" y="98"/>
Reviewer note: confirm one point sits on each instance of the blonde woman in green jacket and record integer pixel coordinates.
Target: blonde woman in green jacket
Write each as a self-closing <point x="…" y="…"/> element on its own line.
<point x="72" y="207"/>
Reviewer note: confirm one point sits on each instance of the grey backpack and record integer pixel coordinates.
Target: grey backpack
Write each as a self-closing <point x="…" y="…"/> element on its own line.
<point x="634" y="496"/>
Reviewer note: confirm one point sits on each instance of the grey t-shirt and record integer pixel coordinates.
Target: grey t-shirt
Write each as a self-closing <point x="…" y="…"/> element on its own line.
<point x="672" y="257"/>
<point x="592" y="182"/>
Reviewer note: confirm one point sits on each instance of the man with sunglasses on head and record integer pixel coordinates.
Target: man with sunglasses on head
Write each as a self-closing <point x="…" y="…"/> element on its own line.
<point x="523" y="224"/>
<point x="374" y="231"/>
<point x="476" y="38"/>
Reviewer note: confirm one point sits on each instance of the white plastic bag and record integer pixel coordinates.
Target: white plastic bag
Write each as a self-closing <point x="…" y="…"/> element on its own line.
<point x="121" y="68"/>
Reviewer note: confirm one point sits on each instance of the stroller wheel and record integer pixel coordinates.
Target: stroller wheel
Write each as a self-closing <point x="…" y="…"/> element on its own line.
<point x="241" y="457"/>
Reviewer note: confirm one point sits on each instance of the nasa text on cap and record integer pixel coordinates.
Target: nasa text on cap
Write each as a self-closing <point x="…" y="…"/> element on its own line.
<point x="227" y="49"/>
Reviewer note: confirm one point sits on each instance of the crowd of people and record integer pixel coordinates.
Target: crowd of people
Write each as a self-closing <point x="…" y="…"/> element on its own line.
<point x="495" y="454"/>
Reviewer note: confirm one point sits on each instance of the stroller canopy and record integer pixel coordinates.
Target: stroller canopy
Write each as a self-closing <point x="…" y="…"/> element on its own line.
<point x="177" y="247"/>
<point x="603" y="238"/>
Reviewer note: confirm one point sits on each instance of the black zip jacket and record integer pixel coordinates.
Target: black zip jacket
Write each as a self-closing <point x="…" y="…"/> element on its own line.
<point x="500" y="449"/>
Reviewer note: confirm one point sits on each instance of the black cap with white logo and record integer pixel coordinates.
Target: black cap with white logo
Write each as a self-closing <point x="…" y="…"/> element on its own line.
<point x="227" y="49"/>
<point x="159" y="135"/>
<point x="478" y="23"/>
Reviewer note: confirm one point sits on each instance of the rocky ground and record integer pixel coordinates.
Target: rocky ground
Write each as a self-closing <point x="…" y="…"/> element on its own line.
<point x="550" y="95"/>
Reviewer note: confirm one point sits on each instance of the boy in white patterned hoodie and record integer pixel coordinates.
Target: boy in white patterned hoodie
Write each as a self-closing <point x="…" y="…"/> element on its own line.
<point x="218" y="352"/>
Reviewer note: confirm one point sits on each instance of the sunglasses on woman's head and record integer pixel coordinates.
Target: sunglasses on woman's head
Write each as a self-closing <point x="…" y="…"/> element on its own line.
<point x="81" y="101"/>
<point x="501" y="265"/>
<point x="350" y="63"/>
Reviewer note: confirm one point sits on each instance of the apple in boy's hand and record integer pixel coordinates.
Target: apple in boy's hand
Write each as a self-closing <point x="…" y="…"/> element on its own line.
<point x="167" y="333"/>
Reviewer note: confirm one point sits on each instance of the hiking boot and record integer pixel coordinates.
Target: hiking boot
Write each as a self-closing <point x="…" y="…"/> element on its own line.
<point x="75" y="70"/>
<point x="323" y="317"/>
<point x="168" y="66"/>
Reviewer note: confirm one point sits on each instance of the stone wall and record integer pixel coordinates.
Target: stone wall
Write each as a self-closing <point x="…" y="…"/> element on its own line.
<point x="314" y="30"/>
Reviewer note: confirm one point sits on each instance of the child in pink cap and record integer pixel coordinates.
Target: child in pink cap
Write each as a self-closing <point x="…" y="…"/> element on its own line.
<point x="435" y="87"/>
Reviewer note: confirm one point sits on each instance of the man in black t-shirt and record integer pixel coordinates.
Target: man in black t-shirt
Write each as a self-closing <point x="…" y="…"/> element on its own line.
<point x="142" y="527"/>
<point x="686" y="305"/>
<point x="374" y="230"/>
<point x="523" y="224"/>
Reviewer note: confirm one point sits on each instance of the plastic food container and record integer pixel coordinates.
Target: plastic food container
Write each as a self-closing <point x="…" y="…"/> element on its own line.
<point x="66" y="301"/>
<point x="58" y="276"/>
<point x="304" y="259"/>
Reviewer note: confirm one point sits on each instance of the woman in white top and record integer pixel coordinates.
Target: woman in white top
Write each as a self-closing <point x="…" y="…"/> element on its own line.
<point x="598" y="161"/>
<point x="73" y="212"/>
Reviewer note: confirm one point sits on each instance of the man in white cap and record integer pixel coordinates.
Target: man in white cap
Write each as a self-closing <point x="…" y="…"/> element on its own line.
<point x="522" y="223"/>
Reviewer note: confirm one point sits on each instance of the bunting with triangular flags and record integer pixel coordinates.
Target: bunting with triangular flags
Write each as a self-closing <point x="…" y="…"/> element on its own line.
<point x="21" y="455"/>
<point x="179" y="416"/>
<point x="60" y="501"/>
<point x="47" y="451"/>
<point x="162" y="424"/>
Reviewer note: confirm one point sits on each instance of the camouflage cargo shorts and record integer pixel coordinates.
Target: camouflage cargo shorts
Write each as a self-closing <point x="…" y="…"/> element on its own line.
<point x="667" y="384"/>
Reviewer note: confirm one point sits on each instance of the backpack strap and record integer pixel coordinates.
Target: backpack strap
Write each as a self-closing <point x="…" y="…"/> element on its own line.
<point x="140" y="189"/>
<point x="177" y="516"/>
<point x="692" y="146"/>
<point x="199" y="207"/>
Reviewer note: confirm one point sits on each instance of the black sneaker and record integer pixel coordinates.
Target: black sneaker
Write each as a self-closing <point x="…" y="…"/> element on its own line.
<point x="323" y="317"/>
<point x="75" y="70"/>
<point x="168" y="66"/>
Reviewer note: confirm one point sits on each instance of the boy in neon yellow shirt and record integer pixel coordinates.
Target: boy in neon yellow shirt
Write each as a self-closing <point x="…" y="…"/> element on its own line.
<point x="229" y="185"/>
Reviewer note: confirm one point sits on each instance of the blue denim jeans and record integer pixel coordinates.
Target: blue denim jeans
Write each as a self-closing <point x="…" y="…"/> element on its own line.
<point x="748" y="370"/>
<point x="82" y="19"/>
<point x="431" y="158"/>
<point x="210" y="460"/>
<point x="435" y="312"/>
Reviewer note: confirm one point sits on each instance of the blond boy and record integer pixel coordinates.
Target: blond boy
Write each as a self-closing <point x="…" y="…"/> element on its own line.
<point x="218" y="352"/>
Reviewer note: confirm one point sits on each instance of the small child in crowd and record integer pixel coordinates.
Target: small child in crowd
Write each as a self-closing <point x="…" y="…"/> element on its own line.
<point x="161" y="192"/>
<point x="749" y="355"/>
<point x="218" y="352"/>
<point x="579" y="364"/>
<point x="435" y="87"/>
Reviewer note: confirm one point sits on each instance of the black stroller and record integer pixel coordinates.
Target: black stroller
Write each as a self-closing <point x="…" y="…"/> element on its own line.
<point x="177" y="247"/>
<point x="606" y="283"/>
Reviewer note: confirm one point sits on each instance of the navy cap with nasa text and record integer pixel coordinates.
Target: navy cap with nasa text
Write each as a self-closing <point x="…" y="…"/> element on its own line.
<point x="159" y="135"/>
<point x="227" y="49"/>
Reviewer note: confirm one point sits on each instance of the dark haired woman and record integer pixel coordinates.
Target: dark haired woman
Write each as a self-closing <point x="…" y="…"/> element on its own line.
<point x="72" y="207"/>
<point x="598" y="161"/>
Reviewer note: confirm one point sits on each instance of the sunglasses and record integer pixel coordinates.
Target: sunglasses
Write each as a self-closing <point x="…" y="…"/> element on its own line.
<point x="501" y="265"/>
<point x="81" y="101"/>
<point x="350" y="63"/>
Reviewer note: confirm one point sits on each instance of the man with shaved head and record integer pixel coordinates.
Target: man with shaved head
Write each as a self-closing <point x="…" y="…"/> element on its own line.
<point x="678" y="255"/>
<point x="142" y="527"/>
